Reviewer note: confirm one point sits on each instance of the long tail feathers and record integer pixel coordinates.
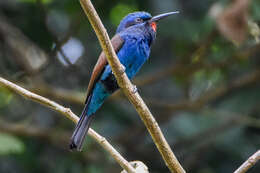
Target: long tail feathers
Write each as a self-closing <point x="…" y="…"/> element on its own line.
<point x="81" y="129"/>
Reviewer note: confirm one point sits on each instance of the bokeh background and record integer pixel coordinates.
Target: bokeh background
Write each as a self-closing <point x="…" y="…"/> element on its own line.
<point x="201" y="83"/>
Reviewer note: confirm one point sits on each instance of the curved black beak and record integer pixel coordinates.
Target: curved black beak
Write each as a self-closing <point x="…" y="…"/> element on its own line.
<point x="162" y="16"/>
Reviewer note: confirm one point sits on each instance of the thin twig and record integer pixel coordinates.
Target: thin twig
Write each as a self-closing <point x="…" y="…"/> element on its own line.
<point x="25" y="52"/>
<point x="130" y="90"/>
<point x="69" y="114"/>
<point x="251" y="161"/>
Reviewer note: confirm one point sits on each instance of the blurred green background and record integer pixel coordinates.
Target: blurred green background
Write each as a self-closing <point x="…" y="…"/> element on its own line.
<point x="201" y="83"/>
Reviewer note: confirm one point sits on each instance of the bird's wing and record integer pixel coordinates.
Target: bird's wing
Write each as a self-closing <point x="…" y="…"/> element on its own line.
<point x="117" y="43"/>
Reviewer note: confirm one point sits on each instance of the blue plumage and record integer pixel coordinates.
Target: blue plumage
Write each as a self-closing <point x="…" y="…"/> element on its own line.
<point x="131" y="18"/>
<point x="135" y="35"/>
<point x="133" y="54"/>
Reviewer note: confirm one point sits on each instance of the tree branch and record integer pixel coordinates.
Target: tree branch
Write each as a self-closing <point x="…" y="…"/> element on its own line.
<point x="26" y="53"/>
<point x="251" y="161"/>
<point x="130" y="90"/>
<point x="70" y="115"/>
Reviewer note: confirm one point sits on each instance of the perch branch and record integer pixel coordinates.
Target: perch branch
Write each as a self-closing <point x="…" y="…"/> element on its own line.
<point x="251" y="161"/>
<point x="130" y="90"/>
<point x="69" y="114"/>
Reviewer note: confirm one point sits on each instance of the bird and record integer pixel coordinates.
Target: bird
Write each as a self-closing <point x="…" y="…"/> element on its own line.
<point x="132" y="43"/>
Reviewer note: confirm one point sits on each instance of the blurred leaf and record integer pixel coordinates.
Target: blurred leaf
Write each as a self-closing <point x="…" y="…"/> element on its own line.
<point x="221" y="50"/>
<point x="10" y="144"/>
<point x="5" y="97"/>
<point x="120" y="11"/>
<point x="215" y="76"/>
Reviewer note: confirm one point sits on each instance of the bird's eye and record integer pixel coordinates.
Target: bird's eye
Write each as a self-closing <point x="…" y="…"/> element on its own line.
<point x="138" y="20"/>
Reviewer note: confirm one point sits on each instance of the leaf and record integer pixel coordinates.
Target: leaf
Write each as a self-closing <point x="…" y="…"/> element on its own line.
<point x="10" y="144"/>
<point x="5" y="97"/>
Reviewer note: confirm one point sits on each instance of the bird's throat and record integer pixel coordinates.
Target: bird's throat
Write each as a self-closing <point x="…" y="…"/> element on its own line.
<point x="154" y="26"/>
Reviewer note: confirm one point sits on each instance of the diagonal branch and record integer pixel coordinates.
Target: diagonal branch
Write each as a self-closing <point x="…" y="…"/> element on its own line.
<point x="251" y="161"/>
<point x="70" y="115"/>
<point x="130" y="90"/>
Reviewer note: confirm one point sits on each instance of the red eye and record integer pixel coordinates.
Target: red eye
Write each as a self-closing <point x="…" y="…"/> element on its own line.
<point x="154" y="26"/>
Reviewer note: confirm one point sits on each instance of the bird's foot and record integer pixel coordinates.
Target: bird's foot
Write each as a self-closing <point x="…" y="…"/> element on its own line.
<point x="122" y="68"/>
<point x="134" y="90"/>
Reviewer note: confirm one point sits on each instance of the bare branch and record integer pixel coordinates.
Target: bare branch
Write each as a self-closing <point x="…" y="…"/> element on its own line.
<point x="251" y="161"/>
<point x="69" y="114"/>
<point x="23" y="50"/>
<point x="129" y="90"/>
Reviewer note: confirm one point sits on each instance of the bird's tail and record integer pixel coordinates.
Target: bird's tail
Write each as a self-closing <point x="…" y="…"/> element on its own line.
<point x="81" y="129"/>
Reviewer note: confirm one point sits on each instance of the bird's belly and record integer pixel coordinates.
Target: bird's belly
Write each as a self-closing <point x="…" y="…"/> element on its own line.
<point x="132" y="68"/>
<point x="108" y="84"/>
<point x="133" y="59"/>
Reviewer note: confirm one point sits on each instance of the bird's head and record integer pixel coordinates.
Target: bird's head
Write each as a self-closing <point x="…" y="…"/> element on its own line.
<point x="137" y="18"/>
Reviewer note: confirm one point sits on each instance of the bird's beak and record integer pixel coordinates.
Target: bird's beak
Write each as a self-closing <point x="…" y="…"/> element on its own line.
<point x="162" y="16"/>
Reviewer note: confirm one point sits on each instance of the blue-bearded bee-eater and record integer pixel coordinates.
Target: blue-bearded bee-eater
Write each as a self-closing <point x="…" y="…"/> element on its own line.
<point x="132" y="43"/>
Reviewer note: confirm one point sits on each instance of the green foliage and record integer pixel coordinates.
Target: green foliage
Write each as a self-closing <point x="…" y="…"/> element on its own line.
<point x="119" y="11"/>
<point x="95" y="169"/>
<point x="5" y="97"/>
<point x="221" y="50"/>
<point x="189" y="41"/>
<point x="213" y="76"/>
<point x="34" y="1"/>
<point x="10" y="144"/>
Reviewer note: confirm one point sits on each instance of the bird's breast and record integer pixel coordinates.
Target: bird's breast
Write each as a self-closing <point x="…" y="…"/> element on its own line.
<point x="133" y="54"/>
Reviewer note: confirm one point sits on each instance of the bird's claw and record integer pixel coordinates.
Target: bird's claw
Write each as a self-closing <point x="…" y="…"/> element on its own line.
<point x="134" y="90"/>
<point x="122" y="68"/>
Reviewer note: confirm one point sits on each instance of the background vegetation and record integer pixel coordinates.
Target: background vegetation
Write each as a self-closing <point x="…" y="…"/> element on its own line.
<point x="201" y="83"/>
